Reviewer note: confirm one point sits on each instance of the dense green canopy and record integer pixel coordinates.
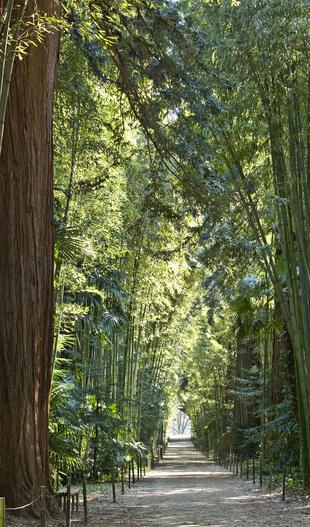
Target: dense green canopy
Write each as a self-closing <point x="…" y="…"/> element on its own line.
<point x="181" y="225"/>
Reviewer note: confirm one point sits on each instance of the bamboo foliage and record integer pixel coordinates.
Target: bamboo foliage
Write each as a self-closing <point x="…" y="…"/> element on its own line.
<point x="122" y="302"/>
<point x="255" y="139"/>
<point x="292" y="201"/>
<point x="278" y="87"/>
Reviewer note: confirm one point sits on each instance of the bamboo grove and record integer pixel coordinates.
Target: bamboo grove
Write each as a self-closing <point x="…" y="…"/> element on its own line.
<point x="181" y="230"/>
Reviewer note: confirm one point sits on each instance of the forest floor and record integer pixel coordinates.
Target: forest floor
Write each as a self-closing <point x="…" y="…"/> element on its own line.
<point x="187" y="490"/>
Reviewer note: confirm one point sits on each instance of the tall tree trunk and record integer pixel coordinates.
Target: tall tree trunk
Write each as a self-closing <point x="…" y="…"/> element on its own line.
<point x="26" y="272"/>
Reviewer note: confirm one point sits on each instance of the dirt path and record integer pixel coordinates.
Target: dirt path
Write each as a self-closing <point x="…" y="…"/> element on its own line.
<point x="188" y="490"/>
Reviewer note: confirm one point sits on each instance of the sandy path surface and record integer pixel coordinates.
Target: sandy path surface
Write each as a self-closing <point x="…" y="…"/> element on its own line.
<point x="188" y="490"/>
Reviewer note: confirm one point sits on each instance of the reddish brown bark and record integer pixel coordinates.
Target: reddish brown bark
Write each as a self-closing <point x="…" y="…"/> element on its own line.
<point x="26" y="273"/>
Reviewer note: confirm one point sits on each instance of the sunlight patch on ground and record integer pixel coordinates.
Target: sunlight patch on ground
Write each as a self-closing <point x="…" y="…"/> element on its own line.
<point x="187" y="490"/>
<point x="194" y="490"/>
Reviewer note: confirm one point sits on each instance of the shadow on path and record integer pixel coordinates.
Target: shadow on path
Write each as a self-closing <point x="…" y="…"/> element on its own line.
<point x="187" y="489"/>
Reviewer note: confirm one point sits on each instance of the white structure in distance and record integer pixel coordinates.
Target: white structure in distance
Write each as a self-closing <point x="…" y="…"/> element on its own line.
<point x="180" y="425"/>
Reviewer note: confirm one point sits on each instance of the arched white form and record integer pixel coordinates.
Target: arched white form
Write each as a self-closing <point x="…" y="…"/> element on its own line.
<point x="180" y="424"/>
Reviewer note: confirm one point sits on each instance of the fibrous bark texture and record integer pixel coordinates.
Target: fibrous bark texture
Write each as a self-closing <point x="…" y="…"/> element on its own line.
<point x="26" y="272"/>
